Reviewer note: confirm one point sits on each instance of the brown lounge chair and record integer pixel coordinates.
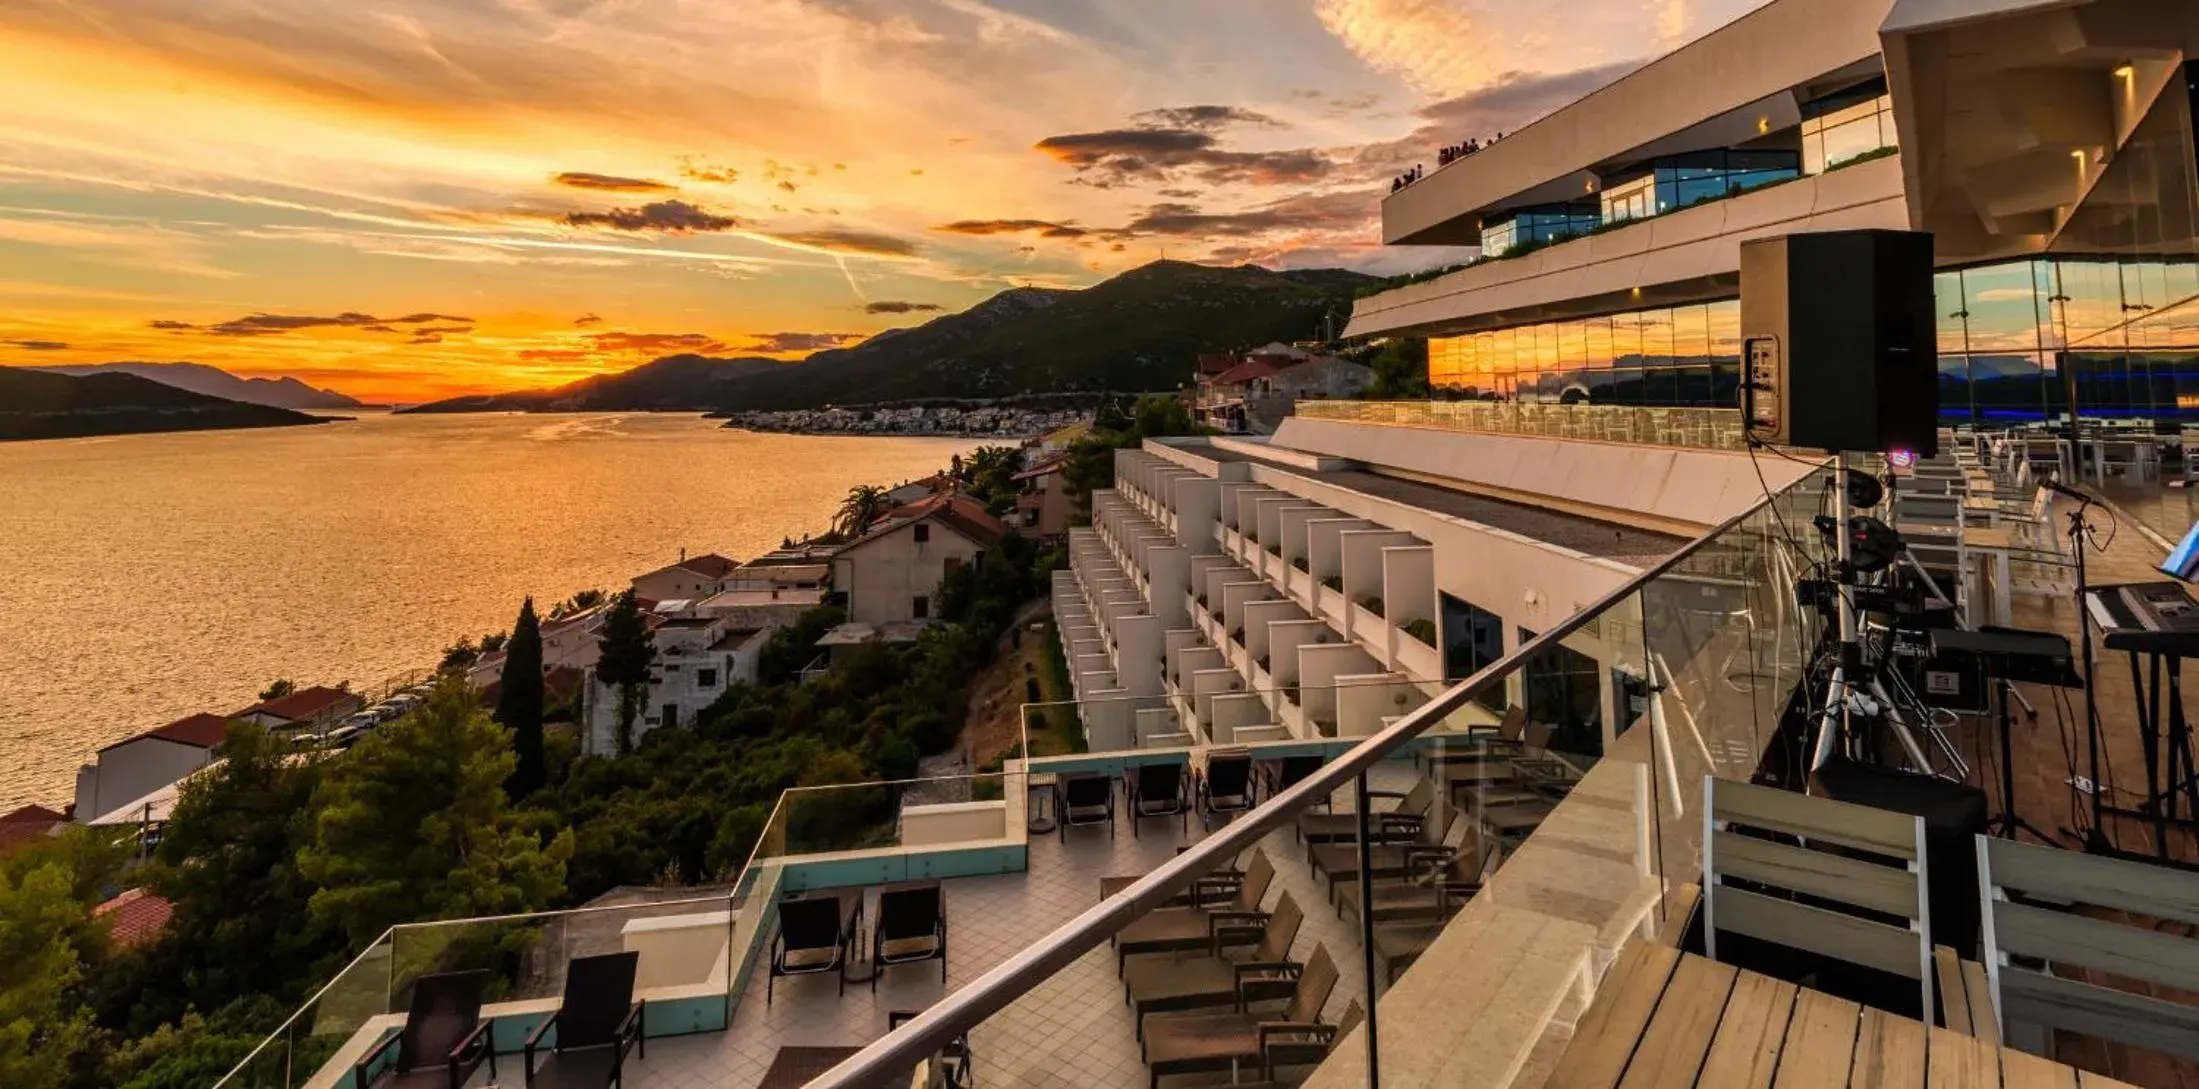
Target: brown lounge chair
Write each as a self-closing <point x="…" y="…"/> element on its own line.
<point x="912" y="927"/>
<point x="1398" y="822"/>
<point x="1222" y="1041"/>
<point x="1398" y="945"/>
<point x="598" y="1022"/>
<point x="1086" y="800"/>
<point x="1157" y="984"/>
<point x="1158" y="790"/>
<point x="1302" y="1045"/>
<point x="443" y="1042"/>
<point x="1340" y="862"/>
<point x="1171" y="930"/>
<point x="1226" y="788"/>
<point x="1435" y="892"/>
<point x="813" y="938"/>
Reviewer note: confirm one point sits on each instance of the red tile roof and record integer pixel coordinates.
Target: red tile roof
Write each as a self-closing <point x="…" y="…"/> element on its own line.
<point x="303" y="704"/>
<point x="1042" y="468"/>
<point x="202" y="730"/>
<point x="27" y="825"/>
<point x="558" y="685"/>
<point x="138" y="917"/>
<point x="709" y="565"/>
<point x="1245" y="372"/>
<point x="954" y="510"/>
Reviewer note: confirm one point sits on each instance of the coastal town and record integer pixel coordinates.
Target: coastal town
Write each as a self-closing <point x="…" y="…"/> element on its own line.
<point x="983" y="421"/>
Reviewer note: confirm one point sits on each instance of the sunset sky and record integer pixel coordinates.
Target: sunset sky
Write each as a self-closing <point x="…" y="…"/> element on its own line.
<point x="407" y="199"/>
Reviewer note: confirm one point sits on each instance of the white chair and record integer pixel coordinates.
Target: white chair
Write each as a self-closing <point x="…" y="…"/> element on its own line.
<point x="2032" y="951"/>
<point x="1825" y="867"/>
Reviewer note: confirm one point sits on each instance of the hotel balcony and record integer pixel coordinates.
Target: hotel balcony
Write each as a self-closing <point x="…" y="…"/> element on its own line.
<point x="1564" y="853"/>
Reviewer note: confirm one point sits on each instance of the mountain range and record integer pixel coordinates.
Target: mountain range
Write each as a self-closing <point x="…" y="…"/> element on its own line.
<point x="284" y="392"/>
<point x="42" y="404"/>
<point x="1135" y="331"/>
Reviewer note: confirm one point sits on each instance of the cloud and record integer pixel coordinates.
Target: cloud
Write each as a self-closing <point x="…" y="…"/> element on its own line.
<point x="698" y="170"/>
<point x="260" y="325"/>
<point x="985" y="227"/>
<point x="655" y="342"/>
<point x="668" y="216"/>
<point x="846" y="240"/>
<point x="586" y="320"/>
<point x="610" y="183"/>
<point x="1113" y="157"/>
<point x="1347" y="210"/>
<point x="37" y="345"/>
<point x="889" y="306"/>
<point x="1205" y="118"/>
<point x="1506" y="103"/>
<point x="1430" y="44"/>
<point x="800" y="342"/>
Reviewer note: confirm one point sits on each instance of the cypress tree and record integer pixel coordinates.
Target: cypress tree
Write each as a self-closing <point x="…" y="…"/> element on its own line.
<point x="519" y="702"/>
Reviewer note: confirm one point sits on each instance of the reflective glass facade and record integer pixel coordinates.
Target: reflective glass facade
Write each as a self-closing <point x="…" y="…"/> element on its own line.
<point x="1677" y="181"/>
<point x="1840" y="127"/>
<point x="1535" y="225"/>
<point x="2017" y="341"/>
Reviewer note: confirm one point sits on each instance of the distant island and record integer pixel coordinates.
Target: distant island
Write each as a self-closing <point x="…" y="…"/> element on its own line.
<point x="1135" y="331"/>
<point x="41" y="404"/>
<point x="284" y="392"/>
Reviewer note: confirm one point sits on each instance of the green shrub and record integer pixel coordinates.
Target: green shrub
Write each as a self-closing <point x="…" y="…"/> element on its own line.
<point x="1422" y="629"/>
<point x="1372" y="603"/>
<point x="1333" y="582"/>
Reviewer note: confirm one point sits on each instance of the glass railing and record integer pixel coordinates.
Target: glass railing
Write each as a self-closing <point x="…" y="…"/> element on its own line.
<point x="1519" y="826"/>
<point x="691" y="951"/>
<point x="1703" y="428"/>
<point x="895" y="816"/>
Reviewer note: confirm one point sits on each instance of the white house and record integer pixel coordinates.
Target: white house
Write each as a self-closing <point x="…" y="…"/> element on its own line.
<point x="699" y="654"/>
<point x="305" y="708"/>
<point x="130" y="769"/>
<point x="892" y="572"/>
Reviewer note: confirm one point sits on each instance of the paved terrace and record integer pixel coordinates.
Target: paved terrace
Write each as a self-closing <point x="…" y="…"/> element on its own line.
<point x="1073" y="1030"/>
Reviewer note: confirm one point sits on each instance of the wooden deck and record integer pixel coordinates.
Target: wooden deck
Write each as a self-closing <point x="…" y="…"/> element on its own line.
<point x="1664" y="1019"/>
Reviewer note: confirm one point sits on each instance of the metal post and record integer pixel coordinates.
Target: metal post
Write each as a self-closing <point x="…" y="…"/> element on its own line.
<point x="1366" y="926"/>
<point x="1834" y="729"/>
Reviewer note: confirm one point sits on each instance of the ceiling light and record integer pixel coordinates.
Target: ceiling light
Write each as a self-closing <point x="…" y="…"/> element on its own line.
<point x="1763" y="125"/>
<point x="2126" y="72"/>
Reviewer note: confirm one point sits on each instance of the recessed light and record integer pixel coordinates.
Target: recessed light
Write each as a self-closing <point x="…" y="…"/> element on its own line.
<point x="2125" y="71"/>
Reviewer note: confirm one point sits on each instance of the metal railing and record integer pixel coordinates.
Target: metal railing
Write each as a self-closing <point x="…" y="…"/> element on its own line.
<point x="1698" y="428"/>
<point x="995" y="990"/>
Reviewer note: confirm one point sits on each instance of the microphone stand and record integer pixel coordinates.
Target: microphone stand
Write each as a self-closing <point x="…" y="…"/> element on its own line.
<point x="2095" y="839"/>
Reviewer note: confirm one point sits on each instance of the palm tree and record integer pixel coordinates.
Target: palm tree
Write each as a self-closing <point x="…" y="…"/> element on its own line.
<point x="865" y="502"/>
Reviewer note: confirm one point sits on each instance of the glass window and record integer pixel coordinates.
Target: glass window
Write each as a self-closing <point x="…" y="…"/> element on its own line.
<point x="1596" y="332"/>
<point x="1947" y="300"/>
<point x="1661" y="386"/>
<point x="1725" y="384"/>
<point x="1725" y="331"/>
<point x="1501" y="356"/>
<point x="1626" y="340"/>
<point x="1545" y="351"/>
<point x="1656" y="337"/>
<point x="1572" y="345"/>
<point x="2000" y="308"/>
<point x="1691" y="334"/>
<point x="1499" y="238"/>
<point x="2007" y="387"/>
<point x="1954" y="389"/>
<point x="1694" y="385"/>
<point x="1627" y="386"/>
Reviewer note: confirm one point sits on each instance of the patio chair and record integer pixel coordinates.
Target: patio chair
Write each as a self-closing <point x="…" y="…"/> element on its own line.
<point x="2113" y="973"/>
<point x="442" y="1042"/>
<point x="1221" y="1041"/>
<point x="1154" y="985"/>
<point x="952" y="1064"/>
<point x="1169" y="930"/>
<point x="1086" y="800"/>
<point x="1227" y="788"/>
<point x="1435" y="891"/>
<point x="912" y="928"/>
<point x="1157" y="790"/>
<point x="1285" y="1044"/>
<point x="598" y="1022"/>
<point x="1281" y="775"/>
<point x="1401" y="821"/>
<point x="813" y="938"/>
<point x="1341" y="862"/>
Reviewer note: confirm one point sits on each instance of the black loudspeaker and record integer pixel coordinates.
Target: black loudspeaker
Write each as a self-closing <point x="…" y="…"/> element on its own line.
<point x="1839" y="341"/>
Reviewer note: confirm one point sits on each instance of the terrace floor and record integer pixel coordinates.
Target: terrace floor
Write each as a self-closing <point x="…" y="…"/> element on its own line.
<point x="1073" y="1030"/>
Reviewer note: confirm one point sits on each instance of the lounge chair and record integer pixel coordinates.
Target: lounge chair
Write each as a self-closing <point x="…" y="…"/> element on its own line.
<point x="443" y="1042"/>
<point x="1285" y="1044"/>
<point x="912" y="927"/>
<point x="1400" y="821"/>
<point x="1157" y="790"/>
<point x="1086" y="800"/>
<point x="813" y="937"/>
<point x="598" y="1022"/>
<point x="1288" y="772"/>
<point x="1226" y="788"/>
<point x="1435" y="892"/>
<point x="1157" y="984"/>
<point x="953" y="1063"/>
<point x="1171" y="930"/>
<point x="1220" y="1041"/>
<point x="1341" y="862"/>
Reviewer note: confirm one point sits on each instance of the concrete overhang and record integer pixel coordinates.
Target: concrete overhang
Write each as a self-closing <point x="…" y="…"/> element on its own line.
<point x="1741" y="80"/>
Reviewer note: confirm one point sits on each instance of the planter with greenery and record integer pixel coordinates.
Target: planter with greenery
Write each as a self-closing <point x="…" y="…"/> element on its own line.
<point x="1372" y="603"/>
<point x="1263" y="663"/>
<point x="1422" y="629"/>
<point x="1299" y="562"/>
<point x="1237" y="635"/>
<point x="1290" y="692"/>
<point x="1333" y="582"/>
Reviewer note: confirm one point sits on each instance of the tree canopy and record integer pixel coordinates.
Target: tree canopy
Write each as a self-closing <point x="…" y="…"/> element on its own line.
<point x="519" y="701"/>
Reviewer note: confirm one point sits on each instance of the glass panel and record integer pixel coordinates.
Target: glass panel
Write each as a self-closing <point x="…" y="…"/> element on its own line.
<point x="1626" y="340"/>
<point x="1656" y="337"/>
<point x="1725" y="331"/>
<point x="1597" y="334"/>
<point x="1690" y="334"/>
<point x="2002" y="308"/>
